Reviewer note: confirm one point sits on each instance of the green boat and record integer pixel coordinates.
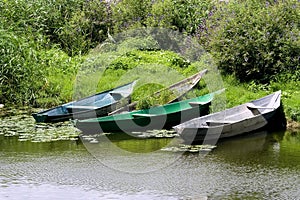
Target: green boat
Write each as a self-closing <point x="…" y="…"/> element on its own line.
<point x="160" y="117"/>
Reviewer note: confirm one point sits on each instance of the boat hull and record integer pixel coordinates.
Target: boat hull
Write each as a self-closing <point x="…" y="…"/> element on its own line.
<point x="226" y="130"/>
<point x="160" y="117"/>
<point x="245" y="118"/>
<point x="142" y="123"/>
<point x="83" y="114"/>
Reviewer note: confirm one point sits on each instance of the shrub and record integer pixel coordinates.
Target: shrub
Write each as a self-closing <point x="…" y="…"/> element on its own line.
<point x="29" y="72"/>
<point x="129" y="13"/>
<point x="255" y="40"/>
<point x="182" y="15"/>
<point x="74" y="25"/>
<point x="85" y="28"/>
<point x="60" y="72"/>
<point x="21" y="76"/>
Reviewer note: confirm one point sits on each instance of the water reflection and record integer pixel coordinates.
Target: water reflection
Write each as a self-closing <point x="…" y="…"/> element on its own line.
<point x="13" y="145"/>
<point x="288" y="150"/>
<point x="280" y="149"/>
<point x="137" y="145"/>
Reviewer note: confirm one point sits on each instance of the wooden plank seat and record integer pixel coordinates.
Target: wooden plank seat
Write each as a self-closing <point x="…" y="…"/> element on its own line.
<point x="82" y="107"/>
<point x="254" y="109"/>
<point x="143" y="115"/>
<point x="252" y="106"/>
<point x="219" y="122"/>
<point x="196" y="103"/>
<point x="116" y="94"/>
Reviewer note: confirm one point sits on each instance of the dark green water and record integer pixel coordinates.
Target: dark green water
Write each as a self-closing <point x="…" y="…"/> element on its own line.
<point x="257" y="166"/>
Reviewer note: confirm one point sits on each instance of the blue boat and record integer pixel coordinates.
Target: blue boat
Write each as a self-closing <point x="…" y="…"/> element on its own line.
<point x="90" y="107"/>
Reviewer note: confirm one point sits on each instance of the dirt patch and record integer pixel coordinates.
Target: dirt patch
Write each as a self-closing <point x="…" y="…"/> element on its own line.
<point x="293" y="125"/>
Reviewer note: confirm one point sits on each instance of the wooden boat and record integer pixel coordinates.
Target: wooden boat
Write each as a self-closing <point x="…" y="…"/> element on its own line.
<point x="241" y="119"/>
<point x="179" y="89"/>
<point x="160" y="117"/>
<point x="90" y="107"/>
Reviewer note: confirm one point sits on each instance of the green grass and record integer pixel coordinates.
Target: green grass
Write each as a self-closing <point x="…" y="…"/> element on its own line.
<point x="155" y="70"/>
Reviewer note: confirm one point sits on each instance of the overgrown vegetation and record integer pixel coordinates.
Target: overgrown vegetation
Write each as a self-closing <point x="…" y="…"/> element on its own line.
<point x="256" y="44"/>
<point x="256" y="40"/>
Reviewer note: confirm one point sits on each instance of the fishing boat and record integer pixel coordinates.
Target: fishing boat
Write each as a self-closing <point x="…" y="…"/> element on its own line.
<point x="238" y="120"/>
<point x="90" y="107"/>
<point x="179" y="89"/>
<point x="159" y="117"/>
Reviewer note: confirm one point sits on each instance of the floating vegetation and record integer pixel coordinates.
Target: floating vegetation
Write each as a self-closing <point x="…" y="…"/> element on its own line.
<point x="190" y="148"/>
<point x="156" y="134"/>
<point x="23" y="126"/>
<point x="92" y="139"/>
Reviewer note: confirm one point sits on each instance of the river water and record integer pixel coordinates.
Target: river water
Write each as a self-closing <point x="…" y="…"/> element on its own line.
<point x="48" y="162"/>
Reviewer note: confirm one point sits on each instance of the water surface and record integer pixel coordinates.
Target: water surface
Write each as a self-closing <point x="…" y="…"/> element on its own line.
<point x="258" y="166"/>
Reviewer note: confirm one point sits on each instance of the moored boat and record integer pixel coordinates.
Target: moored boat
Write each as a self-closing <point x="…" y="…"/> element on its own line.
<point x="244" y="118"/>
<point x="93" y="106"/>
<point x="160" y="117"/>
<point x="179" y="89"/>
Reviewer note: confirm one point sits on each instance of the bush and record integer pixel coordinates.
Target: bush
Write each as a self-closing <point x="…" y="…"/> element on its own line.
<point x="182" y="15"/>
<point x="21" y="76"/>
<point x="255" y="40"/>
<point x="85" y="28"/>
<point x="129" y="13"/>
<point x="29" y="72"/>
<point x="34" y="69"/>
<point x="60" y="72"/>
<point x="74" y="25"/>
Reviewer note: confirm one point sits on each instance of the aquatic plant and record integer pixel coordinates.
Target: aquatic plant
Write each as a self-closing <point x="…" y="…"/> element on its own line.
<point x="18" y="123"/>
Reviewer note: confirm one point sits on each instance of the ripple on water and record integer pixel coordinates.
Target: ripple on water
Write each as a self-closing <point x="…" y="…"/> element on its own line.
<point x="21" y="189"/>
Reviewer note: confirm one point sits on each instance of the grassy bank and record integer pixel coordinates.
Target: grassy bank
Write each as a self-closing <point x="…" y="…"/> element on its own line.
<point x="132" y="66"/>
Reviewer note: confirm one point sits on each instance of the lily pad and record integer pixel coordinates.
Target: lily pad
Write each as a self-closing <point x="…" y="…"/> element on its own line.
<point x="23" y="126"/>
